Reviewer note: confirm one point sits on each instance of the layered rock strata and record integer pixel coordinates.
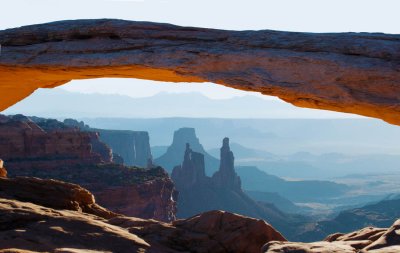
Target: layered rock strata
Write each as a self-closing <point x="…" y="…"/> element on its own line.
<point x="132" y="146"/>
<point x="70" y="221"/>
<point x="347" y="72"/>
<point x="50" y="149"/>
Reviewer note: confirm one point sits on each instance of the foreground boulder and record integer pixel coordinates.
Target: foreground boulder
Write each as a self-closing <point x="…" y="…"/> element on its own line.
<point x="28" y="226"/>
<point x="213" y="231"/>
<point x="366" y="240"/>
<point x="54" y="216"/>
<point x="52" y="193"/>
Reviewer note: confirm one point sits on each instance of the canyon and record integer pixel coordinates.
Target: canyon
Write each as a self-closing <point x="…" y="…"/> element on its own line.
<point x="69" y="220"/>
<point x="349" y="72"/>
<point x="46" y="148"/>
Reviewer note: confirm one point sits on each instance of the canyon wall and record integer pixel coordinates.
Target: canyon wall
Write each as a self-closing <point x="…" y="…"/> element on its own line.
<point x="132" y="146"/>
<point x="348" y="72"/>
<point x="50" y="149"/>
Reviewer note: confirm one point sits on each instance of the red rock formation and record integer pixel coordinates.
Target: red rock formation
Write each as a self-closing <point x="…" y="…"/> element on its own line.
<point x="348" y="72"/>
<point x="214" y="231"/>
<point x="50" y="149"/>
<point x="58" y="195"/>
<point x="27" y="226"/>
<point x="24" y="144"/>
<point x="153" y="199"/>
<point x="52" y="216"/>
<point x="366" y="240"/>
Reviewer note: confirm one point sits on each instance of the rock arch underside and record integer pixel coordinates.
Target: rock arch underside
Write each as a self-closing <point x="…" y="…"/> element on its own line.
<point x="347" y="72"/>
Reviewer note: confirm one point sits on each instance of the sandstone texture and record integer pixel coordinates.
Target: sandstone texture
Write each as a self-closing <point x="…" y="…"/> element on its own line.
<point x="366" y="240"/>
<point x="49" y="149"/>
<point x="348" y="72"/>
<point x="28" y="144"/>
<point x="69" y="220"/>
<point x="28" y="226"/>
<point x="214" y="231"/>
<point x="58" y="195"/>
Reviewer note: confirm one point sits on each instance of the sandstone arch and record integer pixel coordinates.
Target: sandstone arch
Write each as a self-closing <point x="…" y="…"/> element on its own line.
<point x="348" y="72"/>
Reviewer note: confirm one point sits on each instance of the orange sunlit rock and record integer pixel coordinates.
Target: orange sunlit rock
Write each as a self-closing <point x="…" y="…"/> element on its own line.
<point x="348" y="72"/>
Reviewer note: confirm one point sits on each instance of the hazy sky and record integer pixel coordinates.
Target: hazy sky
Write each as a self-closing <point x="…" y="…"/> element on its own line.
<point x="288" y="15"/>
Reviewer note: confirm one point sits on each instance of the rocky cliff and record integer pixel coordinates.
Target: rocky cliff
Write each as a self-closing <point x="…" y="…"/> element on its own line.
<point x="200" y="193"/>
<point x="173" y="155"/>
<point x="348" y="72"/>
<point x="132" y="146"/>
<point x="68" y="219"/>
<point x="47" y="144"/>
<point x="50" y="149"/>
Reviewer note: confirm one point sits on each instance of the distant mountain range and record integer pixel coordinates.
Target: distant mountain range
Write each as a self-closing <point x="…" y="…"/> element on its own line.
<point x="60" y="103"/>
<point x="254" y="179"/>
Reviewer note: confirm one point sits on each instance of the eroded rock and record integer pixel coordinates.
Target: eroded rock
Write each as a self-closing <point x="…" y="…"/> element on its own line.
<point x="49" y="149"/>
<point x="214" y="231"/>
<point x="347" y="72"/>
<point x="366" y="240"/>
<point x="53" y="194"/>
<point x="27" y="226"/>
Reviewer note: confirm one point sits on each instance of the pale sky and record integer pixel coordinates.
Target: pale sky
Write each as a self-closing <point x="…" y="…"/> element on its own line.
<point x="288" y="15"/>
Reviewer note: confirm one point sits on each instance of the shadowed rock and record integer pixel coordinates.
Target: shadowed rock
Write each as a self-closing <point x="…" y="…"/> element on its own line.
<point x="348" y="72"/>
<point x="53" y="216"/>
<point x="366" y="240"/>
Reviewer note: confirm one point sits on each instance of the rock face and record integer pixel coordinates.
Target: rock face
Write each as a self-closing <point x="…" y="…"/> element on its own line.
<point x="151" y="199"/>
<point x="27" y="226"/>
<point x="58" y="195"/>
<point x="132" y="146"/>
<point x="348" y="72"/>
<point x="226" y="176"/>
<point x="26" y="144"/>
<point x="214" y="231"/>
<point x="366" y="240"/>
<point x="145" y="193"/>
<point x="53" y="216"/>
<point x="200" y="193"/>
<point x="173" y="156"/>
<point x="192" y="171"/>
<point x="52" y="150"/>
